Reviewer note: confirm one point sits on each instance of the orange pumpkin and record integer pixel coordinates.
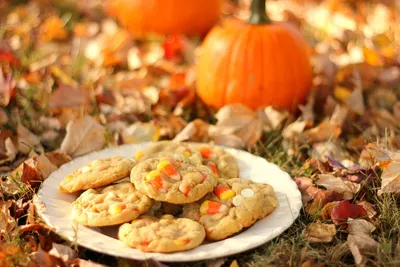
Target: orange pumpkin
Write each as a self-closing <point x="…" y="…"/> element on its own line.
<point x="255" y="63"/>
<point x="191" y="17"/>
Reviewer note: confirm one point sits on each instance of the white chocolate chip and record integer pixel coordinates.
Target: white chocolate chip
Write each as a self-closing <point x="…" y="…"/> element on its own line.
<point x="247" y="193"/>
<point x="86" y="169"/>
<point x="237" y="200"/>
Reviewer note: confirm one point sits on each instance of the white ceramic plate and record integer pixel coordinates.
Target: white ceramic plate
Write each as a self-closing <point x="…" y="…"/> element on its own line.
<point x="54" y="208"/>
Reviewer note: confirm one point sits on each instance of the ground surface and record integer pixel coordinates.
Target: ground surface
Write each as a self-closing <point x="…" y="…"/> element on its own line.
<point x="73" y="81"/>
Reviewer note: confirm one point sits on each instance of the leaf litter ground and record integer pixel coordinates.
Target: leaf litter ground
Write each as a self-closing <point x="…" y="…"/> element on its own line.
<point x="73" y="81"/>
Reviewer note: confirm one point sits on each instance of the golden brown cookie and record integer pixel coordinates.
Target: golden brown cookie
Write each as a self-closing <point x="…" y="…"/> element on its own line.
<point x="165" y="234"/>
<point x="233" y="205"/>
<point x="174" y="181"/>
<point x="114" y="204"/>
<point x="97" y="173"/>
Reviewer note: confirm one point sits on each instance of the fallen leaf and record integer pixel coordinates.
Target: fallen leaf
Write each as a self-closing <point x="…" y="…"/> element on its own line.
<point x="140" y="132"/>
<point x="7" y="54"/>
<point x="83" y="136"/>
<point x="323" y="132"/>
<point x="196" y="131"/>
<point x="390" y="177"/>
<point x="11" y="150"/>
<point x="320" y="199"/>
<point x="52" y="29"/>
<point x="390" y="77"/>
<point x="7" y="222"/>
<point x="369" y="207"/>
<point x="238" y="120"/>
<point x="294" y="129"/>
<point x="355" y="102"/>
<point x="329" y="149"/>
<point x="7" y="84"/>
<point x="57" y="158"/>
<point x="303" y="183"/>
<point x="272" y="118"/>
<point x="44" y="166"/>
<point x="320" y="232"/>
<point x="68" y="96"/>
<point x="65" y="253"/>
<point x="30" y="175"/>
<point x="229" y="141"/>
<point x="345" y="210"/>
<point x="27" y="140"/>
<point x="346" y="188"/>
<point x="3" y="117"/>
<point x="234" y="264"/>
<point x="360" y="242"/>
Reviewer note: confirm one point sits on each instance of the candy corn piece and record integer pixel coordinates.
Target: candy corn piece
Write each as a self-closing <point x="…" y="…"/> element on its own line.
<point x="207" y="153"/>
<point x="181" y="242"/>
<point x="203" y="176"/>
<point x="184" y="188"/>
<point x="117" y="208"/>
<point x="168" y="169"/>
<point x="213" y="167"/>
<point x="212" y="207"/>
<point x="187" y="152"/>
<point x="139" y="154"/>
<point x="223" y="192"/>
<point x="154" y="178"/>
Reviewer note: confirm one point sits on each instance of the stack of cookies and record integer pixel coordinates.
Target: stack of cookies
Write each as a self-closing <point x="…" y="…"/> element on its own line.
<point x="178" y="195"/>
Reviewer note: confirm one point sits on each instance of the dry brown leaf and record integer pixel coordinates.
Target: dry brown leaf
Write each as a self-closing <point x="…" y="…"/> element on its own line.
<point x="327" y="149"/>
<point x="229" y="140"/>
<point x="3" y="117"/>
<point x="294" y="129"/>
<point x="83" y="136"/>
<point x="68" y="96"/>
<point x="396" y="110"/>
<point x="360" y="241"/>
<point x="30" y="175"/>
<point x="390" y="77"/>
<point x="44" y="166"/>
<point x="196" y="131"/>
<point x="57" y="158"/>
<point x="238" y="120"/>
<point x="320" y="232"/>
<point x="65" y="253"/>
<point x="7" y="84"/>
<point x="356" y="102"/>
<point x="391" y="176"/>
<point x="85" y="263"/>
<point x="27" y="140"/>
<point x="272" y="118"/>
<point x="323" y="132"/>
<point x="7" y="222"/>
<point x="11" y="150"/>
<point x="234" y="264"/>
<point x="346" y="188"/>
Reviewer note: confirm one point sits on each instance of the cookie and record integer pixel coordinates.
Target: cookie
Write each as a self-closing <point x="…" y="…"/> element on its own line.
<point x="96" y="174"/>
<point x="165" y="234"/>
<point x="233" y="205"/>
<point x="170" y="149"/>
<point x="114" y="204"/>
<point x="174" y="181"/>
<point x="270" y="200"/>
<point x="222" y="163"/>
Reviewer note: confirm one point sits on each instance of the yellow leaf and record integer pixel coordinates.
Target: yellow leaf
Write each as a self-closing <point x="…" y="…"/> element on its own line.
<point x="234" y="264"/>
<point x="341" y="93"/>
<point x="372" y="56"/>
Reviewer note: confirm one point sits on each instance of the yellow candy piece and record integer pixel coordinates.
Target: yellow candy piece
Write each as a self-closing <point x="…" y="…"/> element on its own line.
<point x="117" y="208"/>
<point x="227" y="194"/>
<point x="187" y="154"/>
<point x="139" y="154"/>
<point x="162" y="164"/>
<point x="152" y="175"/>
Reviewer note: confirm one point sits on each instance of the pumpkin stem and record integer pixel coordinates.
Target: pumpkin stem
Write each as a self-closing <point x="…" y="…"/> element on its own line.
<point x="258" y="15"/>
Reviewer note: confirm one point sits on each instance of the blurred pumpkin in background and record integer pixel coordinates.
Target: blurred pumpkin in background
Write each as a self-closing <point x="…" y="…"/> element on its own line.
<point x="256" y="62"/>
<point x="190" y="17"/>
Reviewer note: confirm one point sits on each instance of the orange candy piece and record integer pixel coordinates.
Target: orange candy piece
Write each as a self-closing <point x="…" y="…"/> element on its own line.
<point x="212" y="207"/>
<point x="213" y="167"/>
<point x="223" y="192"/>
<point x="184" y="188"/>
<point x="207" y="153"/>
<point x="154" y="178"/>
<point x="168" y="169"/>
